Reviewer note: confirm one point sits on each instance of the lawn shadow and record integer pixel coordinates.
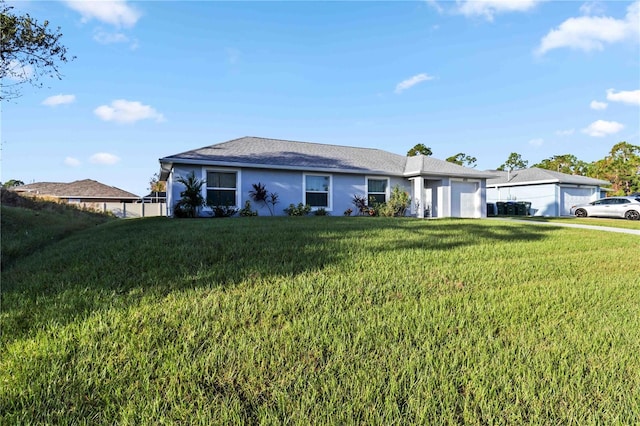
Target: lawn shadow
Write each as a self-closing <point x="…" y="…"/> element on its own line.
<point x="118" y="264"/>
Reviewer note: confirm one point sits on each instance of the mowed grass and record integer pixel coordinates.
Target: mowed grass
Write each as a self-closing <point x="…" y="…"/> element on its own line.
<point x="323" y="320"/>
<point x="595" y="221"/>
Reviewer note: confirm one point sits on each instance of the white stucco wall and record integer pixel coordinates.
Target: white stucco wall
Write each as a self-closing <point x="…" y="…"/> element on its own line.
<point x="289" y="185"/>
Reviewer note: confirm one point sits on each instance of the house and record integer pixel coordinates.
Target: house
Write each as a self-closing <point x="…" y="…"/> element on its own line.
<point x="78" y="192"/>
<point x="325" y="176"/>
<point x="550" y="193"/>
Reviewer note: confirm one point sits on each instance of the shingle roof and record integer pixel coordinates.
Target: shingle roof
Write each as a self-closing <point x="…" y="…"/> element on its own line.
<point x="258" y="152"/>
<point x="421" y="164"/>
<point x="536" y="175"/>
<point x="86" y="188"/>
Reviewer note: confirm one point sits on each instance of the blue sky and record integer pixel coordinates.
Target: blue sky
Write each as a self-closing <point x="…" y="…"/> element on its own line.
<point x="485" y="78"/>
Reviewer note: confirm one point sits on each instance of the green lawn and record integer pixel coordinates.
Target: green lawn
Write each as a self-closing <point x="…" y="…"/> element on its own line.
<point x="595" y="221"/>
<point x="323" y="320"/>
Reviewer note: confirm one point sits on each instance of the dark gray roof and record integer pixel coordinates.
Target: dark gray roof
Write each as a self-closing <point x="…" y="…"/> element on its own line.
<point x="536" y="175"/>
<point x="86" y="188"/>
<point x="293" y="155"/>
<point x="423" y="165"/>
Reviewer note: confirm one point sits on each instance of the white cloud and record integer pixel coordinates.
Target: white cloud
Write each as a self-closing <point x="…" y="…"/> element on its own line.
<point x="593" y="32"/>
<point x="536" y="142"/>
<point x="104" y="158"/>
<point x="598" y="105"/>
<point x="104" y="37"/>
<point x="435" y="5"/>
<point x="592" y="8"/>
<point x="59" y="100"/>
<point x="567" y="132"/>
<point x="18" y="72"/>
<point x="410" y="82"/>
<point x="114" y="12"/>
<point x="124" y="111"/>
<point x="72" y="162"/>
<point x="602" y="128"/>
<point x="488" y="8"/>
<point x="631" y="97"/>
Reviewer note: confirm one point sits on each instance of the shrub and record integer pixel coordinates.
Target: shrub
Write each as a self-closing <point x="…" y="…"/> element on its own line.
<point x="246" y="211"/>
<point x="321" y="212"/>
<point x="399" y="201"/>
<point x="348" y="212"/>
<point x="259" y="194"/>
<point x="299" y="210"/>
<point x="223" y="211"/>
<point x="192" y="198"/>
<point x="361" y="204"/>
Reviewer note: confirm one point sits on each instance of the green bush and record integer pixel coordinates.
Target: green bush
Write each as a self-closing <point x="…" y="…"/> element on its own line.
<point x="223" y="211"/>
<point x="246" y="211"/>
<point x="321" y="212"/>
<point x="192" y="198"/>
<point x="299" y="210"/>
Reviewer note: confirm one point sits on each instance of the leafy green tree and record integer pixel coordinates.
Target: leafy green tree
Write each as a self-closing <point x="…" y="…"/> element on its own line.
<point x="514" y="162"/>
<point x="29" y="50"/>
<point x="156" y="185"/>
<point x="419" y="149"/>
<point x="463" y="159"/>
<point x="12" y="183"/>
<point x="566" y="163"/>
<point x="192" y="198"/>
<point x="621" y="167"/>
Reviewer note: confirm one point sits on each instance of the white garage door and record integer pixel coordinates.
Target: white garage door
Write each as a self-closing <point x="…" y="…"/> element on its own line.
<point x="571" y="196"/>
<point x="464" y="199"/>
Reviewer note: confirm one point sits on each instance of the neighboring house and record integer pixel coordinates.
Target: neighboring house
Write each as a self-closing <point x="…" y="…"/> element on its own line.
<point x="78" y="192"/>
<point x="325" y="176"/>
<point x="550" y="193"/>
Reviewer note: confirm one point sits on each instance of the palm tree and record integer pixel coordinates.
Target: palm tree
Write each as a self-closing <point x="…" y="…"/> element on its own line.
<point x="192" y="198"/>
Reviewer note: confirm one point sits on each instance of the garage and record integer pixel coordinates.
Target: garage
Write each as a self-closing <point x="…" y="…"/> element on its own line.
<point x="465" y="199"/>
<point x="571" y="196"/>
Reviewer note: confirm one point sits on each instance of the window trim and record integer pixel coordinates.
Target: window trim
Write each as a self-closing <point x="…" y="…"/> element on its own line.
<point x="206" y="186"/>
<point x="329" y="193"/>
<point x="387" y="193"/>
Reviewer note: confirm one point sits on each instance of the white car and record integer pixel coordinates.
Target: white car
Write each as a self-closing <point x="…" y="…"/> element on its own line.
<point x="626" y="207"/>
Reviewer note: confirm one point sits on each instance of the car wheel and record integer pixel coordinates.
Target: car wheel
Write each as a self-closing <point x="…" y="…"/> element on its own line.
<point x="581" y="213"/>
<point x="632" y="215"/>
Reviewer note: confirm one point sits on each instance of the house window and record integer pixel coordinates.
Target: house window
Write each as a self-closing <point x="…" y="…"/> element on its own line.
<point x="221" y="188"/>
<point x="317" y="190"/>
<point x="377" y="191"/>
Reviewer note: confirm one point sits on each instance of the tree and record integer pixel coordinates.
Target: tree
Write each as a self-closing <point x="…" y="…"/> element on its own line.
<point x="156" y="185"/>
<point x="419" y="149"/>
<point x="566" y="163"/>
<point x="12" y="183"/>
<point x="461" y="159"/>
<point x="29" y="50"/>
<point x="621" y="167"/>
<point x="514" y="162"/>
<point x="192" y="198"/>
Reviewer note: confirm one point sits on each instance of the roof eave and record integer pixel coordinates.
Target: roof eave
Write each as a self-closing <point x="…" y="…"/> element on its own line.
<point x="171" y="162"/>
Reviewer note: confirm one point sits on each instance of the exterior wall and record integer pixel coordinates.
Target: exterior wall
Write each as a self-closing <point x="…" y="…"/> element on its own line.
<point x="543" y="198"/>
<point x="289" y="185"/>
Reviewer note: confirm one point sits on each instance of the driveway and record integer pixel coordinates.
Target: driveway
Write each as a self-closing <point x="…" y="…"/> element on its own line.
<point x="572" y="225"/>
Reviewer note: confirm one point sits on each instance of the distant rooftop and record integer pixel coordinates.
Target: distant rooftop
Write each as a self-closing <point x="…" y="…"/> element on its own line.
<point x="534" y="174"/>
<point x="86" y="188"/>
